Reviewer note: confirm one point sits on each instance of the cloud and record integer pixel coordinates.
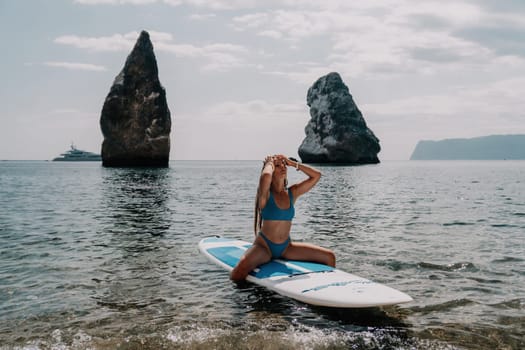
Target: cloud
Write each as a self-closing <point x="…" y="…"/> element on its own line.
<point x="221" y="4"/>
<point x="271" y="34"/>
<point x="256" y="109"/>
<point x="474" y="110"/>
<point x="188" y="50"/>
<point x="113" y="43"/>
<point x="433" y="54"/>
<point x="510" y="6"/>
<point x="230" y="126"/>
<point x="458" y="112"/>
<point x="217" y="56"/>
<point x="389" y="39"/>
<point x="60" y="115"/>
<point x="503" y="39"/>
<point x="202" y="16"/>
<point x="304" y="73"/>
<point x="76" y="66"/>
<point x="115" y="2"/>
<point x="116" y="42"/>
<point x="379" y="40"/>
<point x="220" y="57"/>
<point x="212" y="4"/>
<point x="252" y="20"/>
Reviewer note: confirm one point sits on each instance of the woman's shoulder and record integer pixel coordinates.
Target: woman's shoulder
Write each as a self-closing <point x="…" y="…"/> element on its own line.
<point x="293" y="190"/>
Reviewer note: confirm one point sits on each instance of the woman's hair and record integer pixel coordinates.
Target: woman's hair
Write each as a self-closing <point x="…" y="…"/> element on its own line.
<point x="257" y="222"/>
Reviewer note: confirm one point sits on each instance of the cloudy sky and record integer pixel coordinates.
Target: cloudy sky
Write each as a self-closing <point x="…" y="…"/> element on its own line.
<point x="236" y="72"/>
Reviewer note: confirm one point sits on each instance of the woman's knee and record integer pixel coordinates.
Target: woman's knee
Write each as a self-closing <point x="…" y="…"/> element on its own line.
<point x="238" y="275"/>
<point x="247" y="263"/>
<point x="330" y="258"/>
<point x="240" y="271"/>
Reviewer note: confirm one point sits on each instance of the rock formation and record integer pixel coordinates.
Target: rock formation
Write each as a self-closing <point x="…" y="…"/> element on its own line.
<point x="336" y="132"/>
<point x="135" y="118"/>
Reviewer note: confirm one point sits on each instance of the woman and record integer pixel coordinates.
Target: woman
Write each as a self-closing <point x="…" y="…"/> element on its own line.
<point x="274" y="210"/>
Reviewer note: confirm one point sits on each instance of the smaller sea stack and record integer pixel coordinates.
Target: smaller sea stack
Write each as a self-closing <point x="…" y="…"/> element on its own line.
<point x="337" y="132"/>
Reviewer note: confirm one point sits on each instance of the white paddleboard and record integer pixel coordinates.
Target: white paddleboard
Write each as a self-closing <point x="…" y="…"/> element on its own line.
<point x="308" y="282"/>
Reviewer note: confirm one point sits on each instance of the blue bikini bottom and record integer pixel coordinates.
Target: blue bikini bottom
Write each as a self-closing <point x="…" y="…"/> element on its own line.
<point x="277" y="249"/>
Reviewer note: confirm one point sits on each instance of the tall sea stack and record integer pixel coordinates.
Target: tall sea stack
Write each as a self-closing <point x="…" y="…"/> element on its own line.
<point x="135" y="118"/>
<point x="337" y="132"/>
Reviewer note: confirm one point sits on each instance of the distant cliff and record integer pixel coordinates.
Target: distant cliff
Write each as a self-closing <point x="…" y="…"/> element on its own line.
<point x="486" y="147"/>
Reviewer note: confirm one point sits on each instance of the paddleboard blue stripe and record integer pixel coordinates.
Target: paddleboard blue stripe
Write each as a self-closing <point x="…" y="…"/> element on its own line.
<point x="217" y="239"/>
<point x="228" y="255"/>
<point x="273" y="269"/>
<point x="313" y="267"/>
<point x="338" y="284"/>
<point x="231" y="255"/>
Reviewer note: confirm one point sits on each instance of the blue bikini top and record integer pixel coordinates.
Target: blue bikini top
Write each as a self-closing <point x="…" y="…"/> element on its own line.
<point x="272" y="212"/>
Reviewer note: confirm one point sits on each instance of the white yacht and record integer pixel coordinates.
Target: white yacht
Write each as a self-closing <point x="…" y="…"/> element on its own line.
<point x="77" y="155"/>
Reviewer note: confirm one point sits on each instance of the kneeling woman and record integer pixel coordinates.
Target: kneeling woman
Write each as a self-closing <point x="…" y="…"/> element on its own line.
<point x="274" y="210"/>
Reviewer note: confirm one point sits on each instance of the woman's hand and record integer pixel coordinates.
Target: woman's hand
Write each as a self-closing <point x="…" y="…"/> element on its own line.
<point x="269" y="160"/>
<point x="284" y="159"/>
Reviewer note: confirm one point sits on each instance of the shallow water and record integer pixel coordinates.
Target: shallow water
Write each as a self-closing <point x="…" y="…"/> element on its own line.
<point x="107" y="258"/>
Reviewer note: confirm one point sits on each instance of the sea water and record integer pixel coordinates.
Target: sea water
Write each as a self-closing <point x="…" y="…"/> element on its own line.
<point x="107" y="258"/>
